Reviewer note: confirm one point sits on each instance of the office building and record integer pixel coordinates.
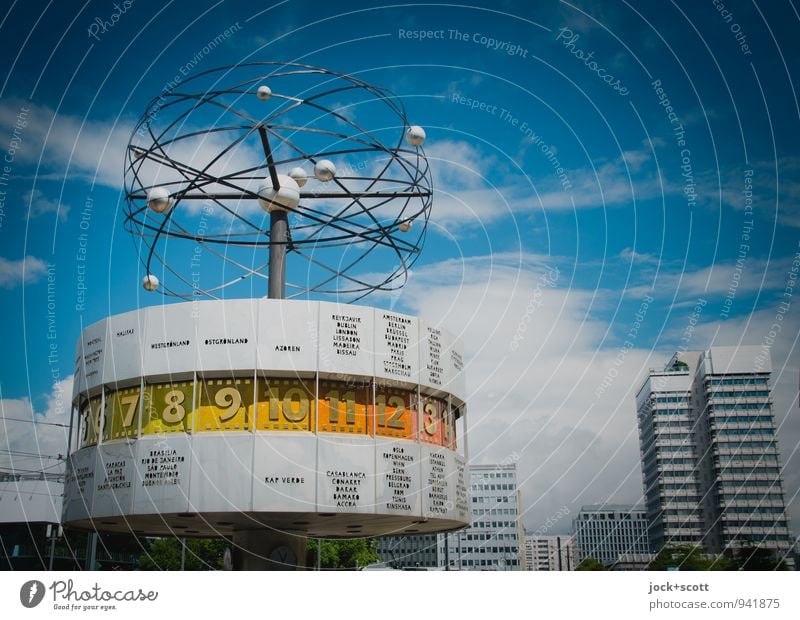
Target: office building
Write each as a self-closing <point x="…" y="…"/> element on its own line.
<point x="409" y="551"/>
<point x="667" y="447"/>
<point x="550" y="553"/>
<point x="494" y="539"/>
<point x="607" y="531"/>
<point x="734" y="458"/>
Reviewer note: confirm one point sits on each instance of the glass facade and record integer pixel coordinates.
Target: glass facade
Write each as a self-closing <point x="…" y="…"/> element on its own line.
<point x="710" y="461"/>
<point x="609" y="531"/>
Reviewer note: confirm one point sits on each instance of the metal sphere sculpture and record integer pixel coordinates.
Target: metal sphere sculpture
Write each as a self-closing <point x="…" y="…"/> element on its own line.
<point x="259" y="162"/>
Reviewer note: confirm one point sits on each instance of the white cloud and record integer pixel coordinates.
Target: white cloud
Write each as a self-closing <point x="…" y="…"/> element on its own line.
<point x="460" y="164"/>
<point x="35" y="446"/>
<point x="774" y="187"/>
<point x="752" y="275"/>
<point x="610" y="184"/>
<point x="636" y="159"/>
<point x="25" y="270"/>
<point x="475" y="189"/>
<point x="69" y="146"/>
<point x="42" y="205"/>
<point x="95" y="150"/>
<point x="629" y="255"/>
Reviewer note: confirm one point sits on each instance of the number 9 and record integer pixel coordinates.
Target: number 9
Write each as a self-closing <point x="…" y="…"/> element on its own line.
<point x="229" y="398"/>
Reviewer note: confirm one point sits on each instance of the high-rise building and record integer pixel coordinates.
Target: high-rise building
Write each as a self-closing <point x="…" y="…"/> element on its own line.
<point x="550" y="553"/>
<point x="717" y="405"/>
<point x="667" y="446"/>
<point x="607" y="531"/>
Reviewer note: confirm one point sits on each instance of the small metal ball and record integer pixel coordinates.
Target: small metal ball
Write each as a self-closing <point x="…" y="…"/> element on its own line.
<point x="150" y="282"/>
<point x="324" y="170"/>
<point x="415" y="135"/>
<point x="286" y="198"/>
<point x="299" y="175"/>
<point x="264" y="92"/>
<point x="405" y="226"/>
<point x="159" y="200"/>
<point x="138" y="152"/>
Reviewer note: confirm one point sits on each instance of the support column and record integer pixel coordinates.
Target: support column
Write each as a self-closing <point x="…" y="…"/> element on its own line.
<point x="278" y="237"/>
<point x="269" y="550"/>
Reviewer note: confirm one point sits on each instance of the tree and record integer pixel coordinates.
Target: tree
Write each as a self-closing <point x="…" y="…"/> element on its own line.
<point x="201" y="554"/>
<point x="344" y="554"/>
<point x="688" y="557"/>
<point x="752" y="557"/>
<point x="591" y="564"/>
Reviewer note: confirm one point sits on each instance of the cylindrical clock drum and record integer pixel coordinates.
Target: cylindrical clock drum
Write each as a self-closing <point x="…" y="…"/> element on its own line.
<point x="213" y="418"/>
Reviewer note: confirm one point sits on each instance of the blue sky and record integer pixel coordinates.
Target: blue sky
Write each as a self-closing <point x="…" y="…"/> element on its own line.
<point x="566" y="194"/>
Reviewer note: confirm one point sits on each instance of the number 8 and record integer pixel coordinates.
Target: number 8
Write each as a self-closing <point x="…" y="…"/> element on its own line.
<point x="173" y="400"/>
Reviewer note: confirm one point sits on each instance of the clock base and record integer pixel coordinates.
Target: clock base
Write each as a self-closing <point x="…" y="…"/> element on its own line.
<point x="269" y="550"/>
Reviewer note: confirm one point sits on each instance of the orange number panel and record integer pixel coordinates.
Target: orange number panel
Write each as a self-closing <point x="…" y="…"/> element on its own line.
<point x="395" y="412"/>
<point x="344" y="408"/>
<point x="432" y="423"/>
<point x="285" y="405"/>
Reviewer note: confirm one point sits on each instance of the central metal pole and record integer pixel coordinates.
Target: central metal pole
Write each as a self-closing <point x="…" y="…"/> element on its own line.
<point x="54" y="533"/>
<point x="278" y="229"/>
<point x="278" y="237"/>
<point x="91" y="555"/>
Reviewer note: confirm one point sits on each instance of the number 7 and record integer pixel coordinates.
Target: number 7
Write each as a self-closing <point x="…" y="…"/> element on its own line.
<point x="131" y="402"/>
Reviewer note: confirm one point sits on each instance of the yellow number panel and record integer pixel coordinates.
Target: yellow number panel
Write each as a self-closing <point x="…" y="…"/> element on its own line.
<point x="168" y="408"/>
<point x="344" y="408"/>
<point x="122" y="414"/>
<point x="395" y="413"/>
<point x="225" y="405"/>
<point x="285" y="405"/>
<point x="91" y="421"/>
